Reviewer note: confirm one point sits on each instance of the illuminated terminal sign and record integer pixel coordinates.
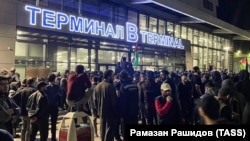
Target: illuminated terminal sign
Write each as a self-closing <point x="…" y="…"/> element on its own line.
<point x="129" y="32"/>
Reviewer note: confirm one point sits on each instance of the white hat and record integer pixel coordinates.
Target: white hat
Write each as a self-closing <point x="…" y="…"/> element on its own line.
<point x="165" y="86"/>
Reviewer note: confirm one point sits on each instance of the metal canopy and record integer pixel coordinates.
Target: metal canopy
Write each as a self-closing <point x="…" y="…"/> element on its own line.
<point x="197" y="16"/>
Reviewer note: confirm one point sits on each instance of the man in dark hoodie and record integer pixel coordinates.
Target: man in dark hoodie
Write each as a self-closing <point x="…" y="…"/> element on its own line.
<point x="243" y="84"/>
<point x="216" y="80"/>
<point x="237" y="101"/>
<point x="150" y="90"/>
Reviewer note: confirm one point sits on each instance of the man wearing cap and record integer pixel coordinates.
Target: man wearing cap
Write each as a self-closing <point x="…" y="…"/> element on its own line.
<point x="167" y="108"/>
<point x="164" y="75"/>
<point x="38" y="112"/>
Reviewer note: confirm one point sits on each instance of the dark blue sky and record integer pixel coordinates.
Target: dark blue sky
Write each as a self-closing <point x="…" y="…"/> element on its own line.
<point x="236" y="12"/>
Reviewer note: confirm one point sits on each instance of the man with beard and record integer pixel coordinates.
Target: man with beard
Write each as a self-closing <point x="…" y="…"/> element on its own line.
<point x="164" y="74"/>
<point x="8" y="107"/>
<point x="107" y="106"/>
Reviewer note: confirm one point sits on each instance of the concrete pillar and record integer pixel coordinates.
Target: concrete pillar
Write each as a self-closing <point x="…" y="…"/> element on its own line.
<point x="7" y="33"/>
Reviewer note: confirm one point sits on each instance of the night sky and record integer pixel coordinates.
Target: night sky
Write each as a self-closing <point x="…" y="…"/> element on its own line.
<point x="236" y="12"/>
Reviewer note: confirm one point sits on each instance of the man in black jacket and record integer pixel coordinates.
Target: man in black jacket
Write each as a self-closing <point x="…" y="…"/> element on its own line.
<point x="8" y="107"/>
<point x="128" y="101"/>
<point x="21" y="98"/>
<point x="38" y="106"/>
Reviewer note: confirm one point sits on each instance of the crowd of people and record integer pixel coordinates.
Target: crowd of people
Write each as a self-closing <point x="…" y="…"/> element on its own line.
<point x="122" y="97"/>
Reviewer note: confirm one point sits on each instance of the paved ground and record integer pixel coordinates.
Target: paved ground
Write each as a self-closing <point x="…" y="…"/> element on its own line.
<point x="61" y="114"/>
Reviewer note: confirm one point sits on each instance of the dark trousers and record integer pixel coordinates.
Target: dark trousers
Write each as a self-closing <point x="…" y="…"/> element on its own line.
<point x="150" y="115"/>
<point x="142" y="114"/>
<point x="25" y="132"/>
<point x="63" y="100"/>
<point x="118" y="130"/>
<point x="41" y="125"/>
<point x="187" y="110"/>
<point x="129" y="120"/>
<point x="107" y="127"/>
<point x="53" y="112"/>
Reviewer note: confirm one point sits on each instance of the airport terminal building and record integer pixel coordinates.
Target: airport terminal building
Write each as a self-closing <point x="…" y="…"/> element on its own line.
<point x="60" y="34"/>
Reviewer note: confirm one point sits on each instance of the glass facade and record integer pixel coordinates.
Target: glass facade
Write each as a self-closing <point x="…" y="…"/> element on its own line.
<point x="36" y="48"/>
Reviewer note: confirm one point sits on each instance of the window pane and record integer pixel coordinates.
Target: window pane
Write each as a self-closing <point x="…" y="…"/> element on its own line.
<point x="183" y="32"/>
<point x="162" y="27"/>
<point x="120" y="15"/>
<point x="195" y="52"/>
<point x="196" y="36"/>
<point x="170" y="28"/>
<point x="153" y="24"/>
<point x="190" y="35"/>
<point x="132" y="17"/>
<point x="201" y="58"/>
<point x="91" y="6"/>
<point x="210" y="40"/>
<point x="106" y="10"/>
<point x="36" y="55"/>
<point x="177" y="31"/>
<point x="73" y="66"/>
<point x="21" y="49"/>
<point x="110" y="57"/>
<point x="79" y="55"/>
<point x="62" y="54"/>
<point x="143" y="22"/>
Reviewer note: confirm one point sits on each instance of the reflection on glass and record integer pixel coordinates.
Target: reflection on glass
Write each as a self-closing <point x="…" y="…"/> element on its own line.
<point x="35" y="64"/>
<point x="195" y="62"/>
<point x="153" y="24"/>
<point x="79" y="55"/>
<point x="132" y="17"/>
<point x="73" y="66"/>
<point x="183" y="32"/>
<point x="143" y="22"/>
<point x="177" y="30"/>
<point x="170" y="28"/>
<point x="202" y="59"/>
<point x="162" y="27"/>
<point x="61" y="67"/>
<point x="190" y="34"/>
<point x="195" y="52"/>
<point x="120" y="15"/>
<point x="93" y="67"/>
<point x="21" y="49"/>
<point x="62" y="54"/>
